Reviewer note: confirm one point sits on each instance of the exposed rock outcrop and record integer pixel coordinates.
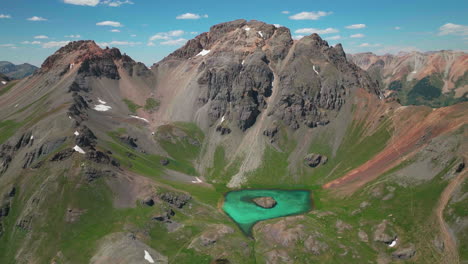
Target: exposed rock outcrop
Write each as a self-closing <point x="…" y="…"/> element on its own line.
<point x="314" y="160"/>
<point x="384" y="234"/>
<point x="271" y="132"/>
<point x="214" y="234"/>
<point x="175" y="199"/>
<point x="265" y="202"/>
<point x="91" y="174"/>
<point x="405" y="252"/>
<point x="315" y="246"/>
<point x="43" y="150"/>
<point x="164" y="162"/>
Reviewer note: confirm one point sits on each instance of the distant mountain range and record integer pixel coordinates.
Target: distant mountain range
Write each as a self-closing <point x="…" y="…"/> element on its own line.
<point x="16" y="71"/>
<point x="436" y="78"/>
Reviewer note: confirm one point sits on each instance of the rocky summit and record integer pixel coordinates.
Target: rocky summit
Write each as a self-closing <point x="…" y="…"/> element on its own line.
<point x="103" y="158"/>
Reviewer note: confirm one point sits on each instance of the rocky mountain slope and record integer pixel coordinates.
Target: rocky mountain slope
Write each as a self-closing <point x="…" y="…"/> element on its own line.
<point x="103" y="159"/>
<point x="433" y="78"/>
<point x="16" y="71"/>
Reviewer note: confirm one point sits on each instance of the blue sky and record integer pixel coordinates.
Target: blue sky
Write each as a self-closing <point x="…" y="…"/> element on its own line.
<point x="148" y="30"/>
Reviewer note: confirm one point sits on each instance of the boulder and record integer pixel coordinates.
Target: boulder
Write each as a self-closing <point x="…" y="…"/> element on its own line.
<point x="271" y="132"/>
<point x="383" y="234"/>
<point x="148" y="201"/>
<point x="342" y="226"/>
<point x="313" y="160"/>
<point x="265" y="202"/>
<point x="214" y="233"/>
<point x="405" y="253"/>
<point x="224" y="130"/>
<point x="175" y="199"/>
<point x="363" y="236"/>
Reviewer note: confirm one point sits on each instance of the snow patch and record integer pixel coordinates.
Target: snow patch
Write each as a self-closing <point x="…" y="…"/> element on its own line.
<point x="222" y="119"/>
<point x="260" y="33"/>
<point x="32" y="137"/>
<point x="243" y="61"/>
<point x="76" y="133"/>
<point x="148" y="257"/>
<point x="71" y="65"/>
<point x="203" y="52"/>
<point x="141" y="118"/>
<point x="393" y="243"/>
<point x="247" y="29"/>
<point x="413" y="72"/>
<point x="197" y="180"/>
<point x="69" y="117"/>
<point x="78" y="149"/>
<point x="313" y="67"/>
<point x="3" y="82"/>
<point x="16" y="105"/>
<point x="102" y="108"/>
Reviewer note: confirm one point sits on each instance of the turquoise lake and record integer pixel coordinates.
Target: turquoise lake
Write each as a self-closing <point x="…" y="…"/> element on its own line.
<point x="240" y="207"/>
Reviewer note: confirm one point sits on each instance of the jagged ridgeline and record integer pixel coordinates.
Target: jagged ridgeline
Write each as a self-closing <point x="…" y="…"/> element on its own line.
<point x="104" y="160"/>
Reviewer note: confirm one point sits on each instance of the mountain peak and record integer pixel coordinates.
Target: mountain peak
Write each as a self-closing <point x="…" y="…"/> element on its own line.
<point x="237" y="35"/>
<point x="77" y="52"/>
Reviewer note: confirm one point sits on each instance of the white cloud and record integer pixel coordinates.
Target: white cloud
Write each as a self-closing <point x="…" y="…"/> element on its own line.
<point x="4" y="16"/>
<point x="115" y="30"/>
<point x="55" y="44"/>
<point x="109" y="23"/>
<point x="174" y="42"/>
<point x="36" y="18"/>
<point x="41" y="37"/>
<point x="356" y="26"/>
<point x="369" y="45"/>
<point x="334" y="37"/>
<point x="357" y="35"/>
<point x="82" y="2"/>
<point x="133" y="35"/>
<point x="277" y="25"/>
<point x="309" y="15"/>
<point x="73" y="36"/>
<point x="119" y="43"/>
<point x="193" y="32"/>
<point x="191" y="16"/>
<point x="316" y="30"/>
<point x="396" y="49"/>
<point x="168" y="36"/>
<point x="31" y="42"/>
<point x="7" y="45"/>
<point x="124" y="43"/>
<point x="297" y="37"/>
<point x="285" y="12"/>
<point x="176" y="33"/>
<point x="397" y="28"/>
<point x="453" y="29"/>
<point x="116" y="3"/>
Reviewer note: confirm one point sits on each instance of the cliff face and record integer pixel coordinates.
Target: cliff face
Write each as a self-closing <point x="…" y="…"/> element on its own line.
<point x="249" y="66"/>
